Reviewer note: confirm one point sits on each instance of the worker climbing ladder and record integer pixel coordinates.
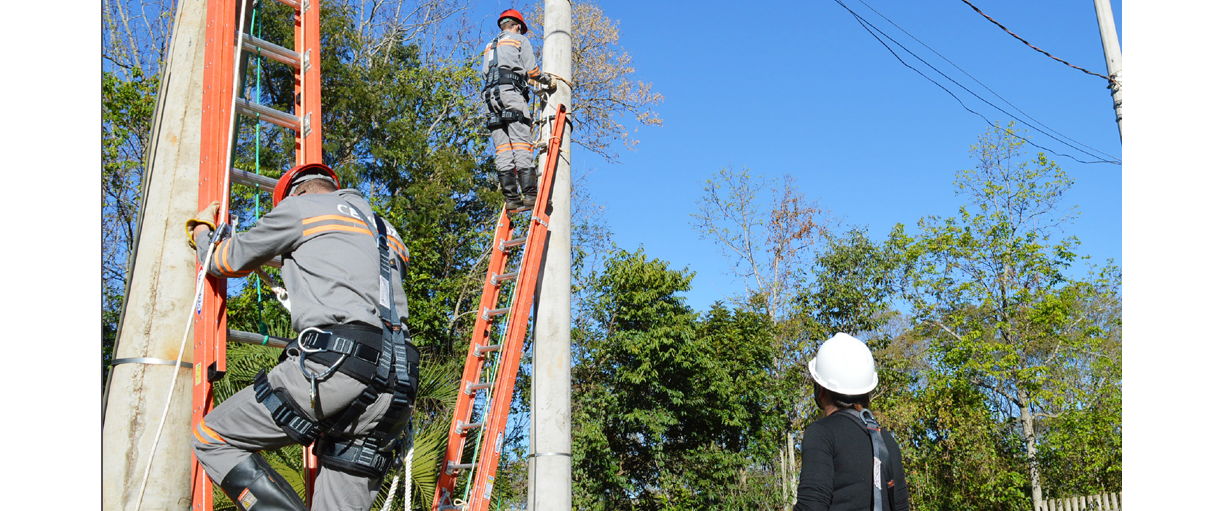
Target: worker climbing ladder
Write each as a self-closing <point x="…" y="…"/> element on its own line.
<point x="228" y="43"/>
<point x="484" y="435"/>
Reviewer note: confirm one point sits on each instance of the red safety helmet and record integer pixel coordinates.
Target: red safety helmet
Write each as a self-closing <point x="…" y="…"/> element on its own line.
<point x="511" y="13"/>
<point x="287" y="180"/>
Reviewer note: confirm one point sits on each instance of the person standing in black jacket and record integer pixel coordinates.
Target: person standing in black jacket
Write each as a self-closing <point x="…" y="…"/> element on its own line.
<point x="849" y="464"/>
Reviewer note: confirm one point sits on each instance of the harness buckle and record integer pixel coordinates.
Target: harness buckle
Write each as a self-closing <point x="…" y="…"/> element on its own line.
<point x="312" y="377"/>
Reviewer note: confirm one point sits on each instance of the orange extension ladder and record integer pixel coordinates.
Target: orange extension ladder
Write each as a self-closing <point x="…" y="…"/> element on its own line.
<point x="219" y="103"/>
<point x="488" y="428"/>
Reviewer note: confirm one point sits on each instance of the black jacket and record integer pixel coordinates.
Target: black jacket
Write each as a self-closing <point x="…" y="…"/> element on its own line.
<point x="836" y="473"/>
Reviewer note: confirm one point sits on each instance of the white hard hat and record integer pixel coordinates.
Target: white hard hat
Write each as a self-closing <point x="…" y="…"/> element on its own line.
<point x="844" y="365"/>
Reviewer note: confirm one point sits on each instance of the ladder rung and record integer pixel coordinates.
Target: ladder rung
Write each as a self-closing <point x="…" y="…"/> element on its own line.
<point x="454" y="468"/>
<point x="491" y="313"/>
<point x="244" y="177"/>
<point x="478" y="352"/>
<point x="445" y="506"/>
<point x="466" y="426"/>
<point x="278" y="117"/>
<point x="515" y="242"/>
<point x="471" y="387"/>
<point x="497" y="279"/>
<point x="273" y="51"/>
<point x="255" y="338"/>
<point x="291" y="3"/>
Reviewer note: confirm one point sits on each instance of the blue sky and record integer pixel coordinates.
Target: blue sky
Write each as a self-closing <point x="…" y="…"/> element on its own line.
<point x="801" y="88"/>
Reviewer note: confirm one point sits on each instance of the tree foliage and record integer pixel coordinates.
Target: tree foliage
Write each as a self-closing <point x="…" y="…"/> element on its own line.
<point x="671" y="409"/>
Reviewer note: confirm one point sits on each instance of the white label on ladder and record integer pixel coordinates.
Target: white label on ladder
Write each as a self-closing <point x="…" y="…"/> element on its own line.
<point x="490" y="483"/>
<point x="384" y="292"/>
<point x="200" y="296"/>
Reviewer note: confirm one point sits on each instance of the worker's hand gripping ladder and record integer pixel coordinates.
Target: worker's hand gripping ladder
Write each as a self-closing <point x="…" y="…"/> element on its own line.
<point x="477" y="475"/>
<point x="221" y="99"/>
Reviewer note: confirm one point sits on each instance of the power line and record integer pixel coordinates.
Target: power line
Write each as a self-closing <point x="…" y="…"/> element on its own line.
<point x="873" y="9"/>
<point x="1040" y="50"/>
<point x="868" y="26"/>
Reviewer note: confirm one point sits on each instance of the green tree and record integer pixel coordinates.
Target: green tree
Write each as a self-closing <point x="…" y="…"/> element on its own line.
<point x="991" y="296"/>
<point x="671" y="411"/>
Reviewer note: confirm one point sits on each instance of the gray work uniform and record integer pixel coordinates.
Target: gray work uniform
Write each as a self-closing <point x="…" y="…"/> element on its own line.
<point x="514" y="145"/>
<point x="331" y="271"/>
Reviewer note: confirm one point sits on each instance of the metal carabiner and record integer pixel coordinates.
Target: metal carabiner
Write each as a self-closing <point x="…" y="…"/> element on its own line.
<point x="314" y="378"/>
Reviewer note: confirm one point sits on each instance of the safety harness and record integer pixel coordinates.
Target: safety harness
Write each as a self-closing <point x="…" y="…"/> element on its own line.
<point x="881" y="464"/>
<point x="498" y="114"/>
<point x="381" y="358"/>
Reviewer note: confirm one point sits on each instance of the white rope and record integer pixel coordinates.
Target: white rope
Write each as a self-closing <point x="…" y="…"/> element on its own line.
<point x="200" y="290"/>
<point x="388" y="501"/>
<point x="409" y="477"/>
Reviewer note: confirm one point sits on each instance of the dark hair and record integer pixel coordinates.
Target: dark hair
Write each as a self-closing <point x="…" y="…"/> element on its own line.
<point x="843" y="400"/>
<point x="318" y="186"/>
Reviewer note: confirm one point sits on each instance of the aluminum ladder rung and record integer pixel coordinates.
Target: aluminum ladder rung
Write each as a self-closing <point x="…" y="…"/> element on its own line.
<point x="472" y="388"/>
<point x="454" y="468"/>
<point x="462" y="427"/>
<point x="277" y="117"/>
<point x="244" y="177"/>
<point x="252" y="44"/>
<point x="481" y="350"/>
<point x="241" y="336"/>
<point x="491" y="313"/>
<point x="292" y="3"/>
<point x="497" y="279"/>
<point x="515" y="242"/>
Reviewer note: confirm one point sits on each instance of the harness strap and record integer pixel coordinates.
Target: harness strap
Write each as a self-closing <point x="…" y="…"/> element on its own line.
<point x="359" y="348"/>
<point x="286" y="413"/>
<point x="361" y="457"/>
<point x="880" y="461"/>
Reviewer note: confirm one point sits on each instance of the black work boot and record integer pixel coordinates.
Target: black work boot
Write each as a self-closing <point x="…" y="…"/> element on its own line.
<point x="508" y="185"/>
<point x="529" y="183"/>
<point x="254" y="486"/>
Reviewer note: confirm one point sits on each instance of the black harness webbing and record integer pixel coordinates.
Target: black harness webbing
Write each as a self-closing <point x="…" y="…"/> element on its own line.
<point x="293" y="420"/>
<point x="881" y="462"/>
<point x="393" y="361"/>
<point x="357" y="345"/>
<point x="496" y="76"/>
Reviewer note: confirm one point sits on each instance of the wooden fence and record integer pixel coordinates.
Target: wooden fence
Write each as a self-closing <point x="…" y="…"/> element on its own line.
<point x="1099" y="502"/>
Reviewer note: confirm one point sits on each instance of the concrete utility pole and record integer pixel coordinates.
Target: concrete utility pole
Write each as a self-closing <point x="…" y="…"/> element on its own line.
<point x="1114" y="61"/>
<point x="160" y="296"/>
<point x="550" y="463"/>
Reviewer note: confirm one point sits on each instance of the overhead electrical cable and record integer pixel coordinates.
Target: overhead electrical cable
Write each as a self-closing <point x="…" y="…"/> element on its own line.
<point x="868" y="26"/>
<point x="985" y="85"/>
<point x="1040" y="50"/>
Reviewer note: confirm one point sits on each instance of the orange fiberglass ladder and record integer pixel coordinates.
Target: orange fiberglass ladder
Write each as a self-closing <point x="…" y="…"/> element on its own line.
<point x="483" y="437"/>
<point x="219" y="102"/>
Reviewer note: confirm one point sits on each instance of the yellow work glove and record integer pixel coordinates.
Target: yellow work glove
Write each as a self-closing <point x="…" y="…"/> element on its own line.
<point x="205" y="217"/>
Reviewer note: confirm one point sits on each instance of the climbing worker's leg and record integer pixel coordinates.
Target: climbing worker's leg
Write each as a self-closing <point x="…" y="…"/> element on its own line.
<point x="254" y="486"/>
<point x="231" y="435"/>
<point x="505" y="167"/>
<point x="521" y="141"/>
<point x="523" y="156"/>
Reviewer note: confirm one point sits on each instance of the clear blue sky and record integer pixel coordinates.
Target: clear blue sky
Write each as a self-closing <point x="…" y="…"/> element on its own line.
<point x="801" y="88"/>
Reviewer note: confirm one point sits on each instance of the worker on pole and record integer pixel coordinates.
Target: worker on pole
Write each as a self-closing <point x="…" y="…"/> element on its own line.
<point x="849" y="463"/>
<point x="508" y="64"/>
<point x="349" y="380"/>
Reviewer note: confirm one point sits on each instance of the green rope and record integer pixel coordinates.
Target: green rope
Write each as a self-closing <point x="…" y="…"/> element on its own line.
<point x="260" y="299"/>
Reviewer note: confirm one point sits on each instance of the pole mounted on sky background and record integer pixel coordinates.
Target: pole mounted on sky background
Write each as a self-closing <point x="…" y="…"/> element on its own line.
<point x="550" y="442"/>
<point x="1114" y="60"/>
